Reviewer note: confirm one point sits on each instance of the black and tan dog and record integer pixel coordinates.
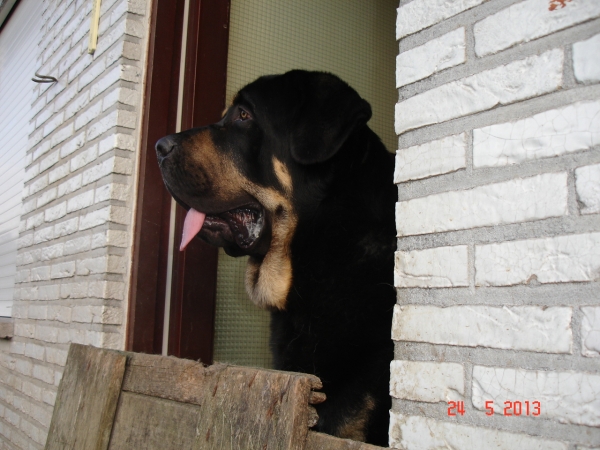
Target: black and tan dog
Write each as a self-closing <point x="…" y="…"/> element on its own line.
<point x="293" y="177"/>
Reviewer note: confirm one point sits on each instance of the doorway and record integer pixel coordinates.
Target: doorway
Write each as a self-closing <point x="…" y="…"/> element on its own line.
<point x="227" y="45"/>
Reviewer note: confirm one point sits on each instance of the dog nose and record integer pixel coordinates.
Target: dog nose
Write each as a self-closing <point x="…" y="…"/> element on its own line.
<point x="164" y="146"/>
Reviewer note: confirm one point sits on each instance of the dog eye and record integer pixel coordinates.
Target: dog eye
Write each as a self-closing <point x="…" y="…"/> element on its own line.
<point x="242" y="115"/>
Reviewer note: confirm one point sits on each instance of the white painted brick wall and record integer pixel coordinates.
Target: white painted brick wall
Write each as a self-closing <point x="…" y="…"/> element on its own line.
<point x="432" y="158"/>
<point x="570" y="397"/>
<point x="498" y="262"/>
<point x="427" y="381"/>
<point x="555" y="132"/>
<point x="529" y="20"/>
<point x="519" y="80"/>
<point x="512" y="201"/>
<point x="78" y="203"/>
<point x="551" y="260"/>
<point x="422" y="433"/>
<point x="528" y="328"/>
<point x="438" y="54"/>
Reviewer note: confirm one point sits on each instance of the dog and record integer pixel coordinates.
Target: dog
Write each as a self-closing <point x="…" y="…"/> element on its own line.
<point x="294" y="178"/>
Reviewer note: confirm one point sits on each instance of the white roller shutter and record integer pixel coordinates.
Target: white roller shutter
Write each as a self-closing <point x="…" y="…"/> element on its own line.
<point x="18" y="59"/>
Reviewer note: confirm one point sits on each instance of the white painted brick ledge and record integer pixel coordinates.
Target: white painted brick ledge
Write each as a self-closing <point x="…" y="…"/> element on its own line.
<point x="519" y="80"/>
<point x="530" y="328"/>
<point x="587" y="183"/>
<point x="422" y="433"/>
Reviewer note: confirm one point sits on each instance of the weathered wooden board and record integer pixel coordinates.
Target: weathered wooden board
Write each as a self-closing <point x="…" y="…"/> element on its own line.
<point x="87" y="399"/>
<point x="117" y="400"/>
<point x="239" y="407"/>
<point x="152" y="423"/>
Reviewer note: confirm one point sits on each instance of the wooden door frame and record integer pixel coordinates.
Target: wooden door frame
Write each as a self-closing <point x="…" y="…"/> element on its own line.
<point x="193" y="292"/>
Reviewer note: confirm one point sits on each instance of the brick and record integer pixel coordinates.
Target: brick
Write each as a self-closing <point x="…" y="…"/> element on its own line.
<point x="60" y="136"/>
<point x="519" y="80"/>
<point x="58" y="173"/>
<point x="72" y="145"/>
<point x="73" y="183"/>
<point x="91" y="113"/>
<point x="422" y="433"/>
<point x="43" y="235"/>
<point x="50" y="252"/>
<point x="80" y="201"/>
<point x="438" y="54"/>
<point x="435" y="267"/>
<point x="114" y="164"/>
<point x="117" y="141"/>
<point x="420" y="14"/>
<point x="56" y="356"/>
<point x="514" y="201"/>
<point x="529" y="20"/>
<point x="63" y="270"/>
<point x="66" y="227"/>
<point x="425" y="381"/>
<point x="34" y="351"/>
<point x="102" y="264"/>
<point x="432" y="158"/>
<point x="529" y="328"/>
<point x="112" y="191"/>
<point x="46" y="197"/>
<point x="49" y="161"/>
<point x="550" y="133"/>
<point x="59" y="313"/>
<point x="74" y="290"/>
<point x="55" y="212"/>
<point x="40" y="273"/>
<point x="550" y="260"/>
<point x="84" y="158"/>
<point x="587" y="183"/>
<point x="570" y="397"/>
<point x="77" y="245"/>
<point x="586" y="58"/>
<point x="590" y="331"/>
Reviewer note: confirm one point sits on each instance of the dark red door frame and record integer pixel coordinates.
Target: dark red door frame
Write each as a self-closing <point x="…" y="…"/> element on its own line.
<point x="191" y="327"/>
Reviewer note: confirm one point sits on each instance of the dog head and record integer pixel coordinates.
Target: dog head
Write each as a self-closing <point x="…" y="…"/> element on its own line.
<point x="239" y="178"/>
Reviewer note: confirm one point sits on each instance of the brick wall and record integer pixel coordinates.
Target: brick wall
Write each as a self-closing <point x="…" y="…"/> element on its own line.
<point x="75" y="234"/>
<point x="498" y="261"/>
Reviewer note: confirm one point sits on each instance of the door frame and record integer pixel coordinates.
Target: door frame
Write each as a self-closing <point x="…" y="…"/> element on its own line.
<point x="193" y="287"/>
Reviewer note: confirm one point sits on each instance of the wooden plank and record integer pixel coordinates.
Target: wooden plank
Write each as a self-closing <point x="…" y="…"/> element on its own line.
<point x="320" y="441"/>
<point x="87" y="399"/>
<point x="240" y="407"/>
<point x="151" y="423"/>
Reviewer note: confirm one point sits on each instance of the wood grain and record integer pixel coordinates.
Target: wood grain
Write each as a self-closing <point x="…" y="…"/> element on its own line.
<point x="87" y="399"/>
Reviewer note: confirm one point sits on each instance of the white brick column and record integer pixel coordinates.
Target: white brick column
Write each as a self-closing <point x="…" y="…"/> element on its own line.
<point x="498" y="220"/>
<point x="76" y="226"/>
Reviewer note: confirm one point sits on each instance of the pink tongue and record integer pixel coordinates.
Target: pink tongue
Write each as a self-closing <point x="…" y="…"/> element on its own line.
<point x="191" y="227"/>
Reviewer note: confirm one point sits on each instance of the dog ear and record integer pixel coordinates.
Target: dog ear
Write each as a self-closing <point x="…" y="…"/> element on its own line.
<point x="331" y="110"/>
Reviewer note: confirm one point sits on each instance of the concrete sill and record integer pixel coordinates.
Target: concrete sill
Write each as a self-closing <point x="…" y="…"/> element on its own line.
<point x="6" y="327"/>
